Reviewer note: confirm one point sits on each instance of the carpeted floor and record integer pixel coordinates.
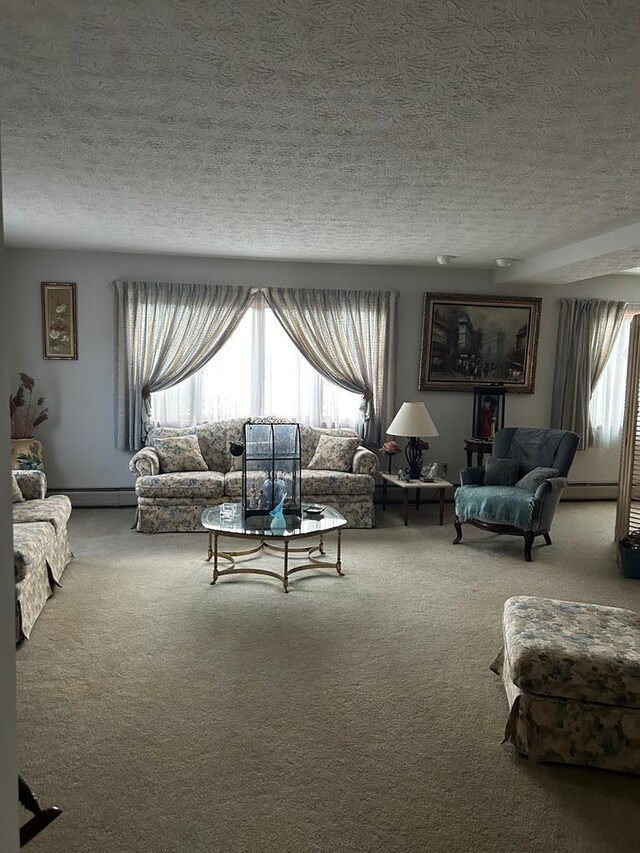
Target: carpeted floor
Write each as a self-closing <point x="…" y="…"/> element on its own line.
<point x="355" y="714"/>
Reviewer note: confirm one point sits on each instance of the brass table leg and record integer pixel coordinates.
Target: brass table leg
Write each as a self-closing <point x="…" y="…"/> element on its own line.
<point x="285" y="578"/>
<point x="215" y="557"/>
<point x="210" y="554"/>
<point x="339" y="556"/>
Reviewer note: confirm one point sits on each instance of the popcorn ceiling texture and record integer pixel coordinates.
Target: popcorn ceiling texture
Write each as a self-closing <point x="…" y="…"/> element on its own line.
<point x="319" y="129"/>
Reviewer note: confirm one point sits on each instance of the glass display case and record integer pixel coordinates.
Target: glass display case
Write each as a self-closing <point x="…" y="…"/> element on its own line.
<point x="271" y="467"/>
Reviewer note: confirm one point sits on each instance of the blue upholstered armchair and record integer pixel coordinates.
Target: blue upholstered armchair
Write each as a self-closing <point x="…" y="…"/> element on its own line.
<point x="519" y="489"/>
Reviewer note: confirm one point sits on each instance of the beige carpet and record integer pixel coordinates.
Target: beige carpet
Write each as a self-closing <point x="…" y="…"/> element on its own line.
<point x="354" y="714"/>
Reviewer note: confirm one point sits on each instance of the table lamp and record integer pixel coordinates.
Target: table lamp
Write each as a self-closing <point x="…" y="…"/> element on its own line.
<point x="413" y="421"/>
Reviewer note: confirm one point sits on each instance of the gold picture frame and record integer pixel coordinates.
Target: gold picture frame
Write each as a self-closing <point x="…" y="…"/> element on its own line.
<point x="59" y="320"/>
<point x="470" y="340"/>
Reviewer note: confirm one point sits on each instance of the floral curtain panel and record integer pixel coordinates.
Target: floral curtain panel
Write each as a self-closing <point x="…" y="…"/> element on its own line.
<point x="587" y="330"/>
<point x="349" y="336"/>
<point x="164" y="333"/>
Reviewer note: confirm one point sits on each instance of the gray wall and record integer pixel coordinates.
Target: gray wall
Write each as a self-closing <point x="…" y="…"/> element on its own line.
<point x="79" y="437"/>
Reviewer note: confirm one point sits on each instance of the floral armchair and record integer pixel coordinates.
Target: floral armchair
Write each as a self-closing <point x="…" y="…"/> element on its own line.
<point x="519" y="490"/>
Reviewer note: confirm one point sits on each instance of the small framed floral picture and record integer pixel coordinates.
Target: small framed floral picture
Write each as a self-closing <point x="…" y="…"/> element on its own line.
<point x="59" y="322"/>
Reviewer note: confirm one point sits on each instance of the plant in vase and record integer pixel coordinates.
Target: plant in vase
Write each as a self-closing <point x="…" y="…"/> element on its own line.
<point x="390" y="448"/>
<point x="26" y="414"/>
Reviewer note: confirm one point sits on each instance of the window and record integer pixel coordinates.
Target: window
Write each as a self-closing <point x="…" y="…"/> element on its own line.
<point x="606" y="408"/>
<point x="258" y="372"/>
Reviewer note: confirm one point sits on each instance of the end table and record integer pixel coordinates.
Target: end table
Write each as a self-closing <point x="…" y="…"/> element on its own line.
<point x="437" y="485"/>
<point x="479" y="446"/>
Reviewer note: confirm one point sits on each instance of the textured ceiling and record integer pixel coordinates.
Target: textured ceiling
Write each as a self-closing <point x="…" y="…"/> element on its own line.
<point x="354" y="130"/>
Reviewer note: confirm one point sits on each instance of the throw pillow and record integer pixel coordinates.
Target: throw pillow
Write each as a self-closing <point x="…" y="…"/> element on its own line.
<point x="16" y="492"/>
<point x="179" y="453"/>
<point x="334" y="453"/>
<point x="501" y="472"/>
<point x="532" y="480"/>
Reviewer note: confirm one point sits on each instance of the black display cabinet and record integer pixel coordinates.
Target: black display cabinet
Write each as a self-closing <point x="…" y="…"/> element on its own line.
<point x="271" y="467"/>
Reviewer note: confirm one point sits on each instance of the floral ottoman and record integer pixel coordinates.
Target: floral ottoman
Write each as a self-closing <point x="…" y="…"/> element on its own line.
<point x="572" y="676"/>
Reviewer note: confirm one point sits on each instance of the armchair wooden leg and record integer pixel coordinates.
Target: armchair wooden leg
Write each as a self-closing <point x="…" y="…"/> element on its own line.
<point x="528" y="542"/>
<point x="547" y="539"/>
<point x="41" y="817"/>
<point x="458" y="526"/>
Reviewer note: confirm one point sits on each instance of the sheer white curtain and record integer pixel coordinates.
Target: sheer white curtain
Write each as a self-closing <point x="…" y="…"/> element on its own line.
<point x="606" y="408"/>
<point x="258" y="372"/>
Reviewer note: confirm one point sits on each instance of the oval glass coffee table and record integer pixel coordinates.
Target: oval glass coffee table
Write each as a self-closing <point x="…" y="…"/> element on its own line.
<point x="280" y="541"/>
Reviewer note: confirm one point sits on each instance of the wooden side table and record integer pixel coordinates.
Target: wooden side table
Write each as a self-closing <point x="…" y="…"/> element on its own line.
<point x="438" y="485"/>
<point x="479" y="446"/>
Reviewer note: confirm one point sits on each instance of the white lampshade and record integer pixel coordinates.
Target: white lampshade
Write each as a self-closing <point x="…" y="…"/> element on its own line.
<point x="412" y="419"/>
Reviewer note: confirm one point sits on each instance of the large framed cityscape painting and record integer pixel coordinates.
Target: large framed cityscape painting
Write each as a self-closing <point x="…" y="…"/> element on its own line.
<point x="472" y="340"/>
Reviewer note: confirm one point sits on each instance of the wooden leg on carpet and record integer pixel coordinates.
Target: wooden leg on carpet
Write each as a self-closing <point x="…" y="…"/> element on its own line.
<point x="458" y="526"/>
<point x="547" y="539"/>
<point x="528" y="542"/>
<point x="41" y="817"/>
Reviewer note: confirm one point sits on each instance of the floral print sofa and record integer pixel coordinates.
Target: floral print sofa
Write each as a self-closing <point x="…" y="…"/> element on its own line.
<point x="41" y="548"/>
<point x="174" y="501"/>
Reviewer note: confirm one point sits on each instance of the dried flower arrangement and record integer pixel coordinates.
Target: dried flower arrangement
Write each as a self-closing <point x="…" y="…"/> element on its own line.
<point x="24" y="411"/>
<point x="390" y="447"/>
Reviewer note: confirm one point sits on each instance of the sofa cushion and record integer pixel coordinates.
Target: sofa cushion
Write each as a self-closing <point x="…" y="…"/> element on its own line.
<point x="334" y="453"/>
<point x="196" y="484"/>
<point x="316" y="483"/>
<point x="501" y="472"/>
<point x="570" y="650"/>
<point x="55" y="509"/>
<point x="214" y="443"/>
<point x="16" y="494"/>
<point x="31" y="544"/>
<point x="532" y="480"/>
<point x="233" y="484"/>
<point x="179" y="453"/>
<point x="309" y="437"/>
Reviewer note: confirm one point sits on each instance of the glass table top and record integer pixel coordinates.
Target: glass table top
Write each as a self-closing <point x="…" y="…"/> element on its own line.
<point x="260" y="525"/>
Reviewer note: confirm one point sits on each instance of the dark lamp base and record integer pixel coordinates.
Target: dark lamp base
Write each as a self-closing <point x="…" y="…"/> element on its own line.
<point x="413" y="452"/>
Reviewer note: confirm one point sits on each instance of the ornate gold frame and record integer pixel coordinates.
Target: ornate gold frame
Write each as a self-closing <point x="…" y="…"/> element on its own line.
<point x="426" y="380"/>
<point x="66" y="324"/>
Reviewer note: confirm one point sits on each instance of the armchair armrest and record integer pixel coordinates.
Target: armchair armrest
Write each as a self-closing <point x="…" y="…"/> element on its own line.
<point x="548" y="496"/>
<point x="553" y="484"/>
<point x="472" y="476"/>
<point x="33" y="484"/>
<point x="365" y="462"/>
<point x="145" y="463"/>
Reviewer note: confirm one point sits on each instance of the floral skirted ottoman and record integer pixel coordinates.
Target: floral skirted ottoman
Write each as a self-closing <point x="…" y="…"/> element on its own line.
<point x="571" y="672"/>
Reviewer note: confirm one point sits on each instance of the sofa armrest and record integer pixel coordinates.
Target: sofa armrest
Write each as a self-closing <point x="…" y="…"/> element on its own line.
<point x="365" y="462"/>
<point x="145" y="463"/>
<point x="472" y="476"/>
<point x="33" y="484"/>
